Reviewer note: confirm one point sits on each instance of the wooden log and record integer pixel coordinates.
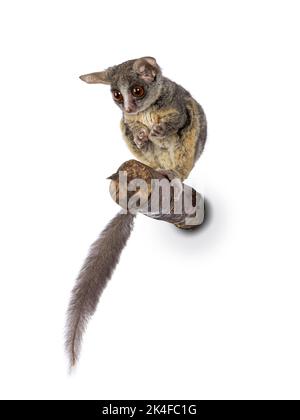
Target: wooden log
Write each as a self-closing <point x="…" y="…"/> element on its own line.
<point x="138" y="188"/>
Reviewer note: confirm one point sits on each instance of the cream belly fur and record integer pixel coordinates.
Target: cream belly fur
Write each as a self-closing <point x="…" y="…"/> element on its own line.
<point x="176" y="152"/>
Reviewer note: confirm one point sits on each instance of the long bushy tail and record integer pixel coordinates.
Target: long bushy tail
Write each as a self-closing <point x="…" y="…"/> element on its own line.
<point x="93" y="277"/>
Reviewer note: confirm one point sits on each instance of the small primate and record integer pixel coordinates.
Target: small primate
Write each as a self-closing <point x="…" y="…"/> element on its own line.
<point x="165" y="128"/>
<point x="162" y="124"/>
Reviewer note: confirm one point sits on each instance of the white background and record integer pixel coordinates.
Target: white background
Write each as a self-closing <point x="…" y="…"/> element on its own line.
<point x="208" y="315"/>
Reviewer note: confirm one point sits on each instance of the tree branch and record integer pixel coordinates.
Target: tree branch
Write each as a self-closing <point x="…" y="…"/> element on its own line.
<point x="138" y="188"/>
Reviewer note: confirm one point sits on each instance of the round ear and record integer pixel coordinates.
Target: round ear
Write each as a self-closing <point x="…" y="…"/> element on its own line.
<point x="103" y="77"/>
<point x="147" y="68"/>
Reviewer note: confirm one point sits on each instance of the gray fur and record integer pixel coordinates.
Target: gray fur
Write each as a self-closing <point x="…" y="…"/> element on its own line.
<point x="93" y="277"/>
<point x="149" y="141"/>
<point x="126" y="75"/>
<point x="173" y="116"/>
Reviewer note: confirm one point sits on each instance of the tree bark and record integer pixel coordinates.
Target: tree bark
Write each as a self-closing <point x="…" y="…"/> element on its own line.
<point x="138" y="188"/>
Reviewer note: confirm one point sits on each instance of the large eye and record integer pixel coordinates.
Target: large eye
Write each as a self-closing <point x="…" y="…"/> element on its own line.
<point x="138" y="91"/>
<point x="117" y="95"/>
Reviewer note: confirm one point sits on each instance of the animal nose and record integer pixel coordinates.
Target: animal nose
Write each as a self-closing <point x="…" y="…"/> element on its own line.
<point x="128" y="109"/>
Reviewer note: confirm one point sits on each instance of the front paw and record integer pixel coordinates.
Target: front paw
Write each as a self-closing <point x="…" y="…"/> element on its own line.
<point x="158" y="130"/>
<point x="141" y="138"/>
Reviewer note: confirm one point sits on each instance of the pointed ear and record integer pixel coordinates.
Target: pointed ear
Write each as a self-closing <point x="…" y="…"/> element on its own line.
<point x="147" y="68"/>
<point x="103" y="77"/>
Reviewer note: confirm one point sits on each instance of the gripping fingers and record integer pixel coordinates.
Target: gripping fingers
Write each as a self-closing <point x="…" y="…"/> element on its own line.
<point x="141" y="138"/>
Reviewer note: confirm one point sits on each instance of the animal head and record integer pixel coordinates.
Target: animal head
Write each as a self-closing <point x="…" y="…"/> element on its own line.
<point x="135" y="84"/>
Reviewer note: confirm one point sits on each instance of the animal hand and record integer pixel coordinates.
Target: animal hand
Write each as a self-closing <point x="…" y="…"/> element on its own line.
<point x="141" y="137"/>
<point x="158" y="130"/>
